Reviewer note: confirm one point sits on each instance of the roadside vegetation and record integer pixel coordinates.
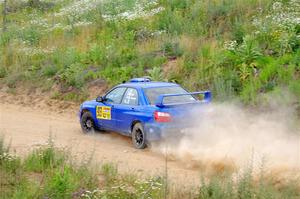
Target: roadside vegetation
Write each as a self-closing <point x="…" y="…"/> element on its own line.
<point x="239" y="49"/>
<point x="50" y="172"/>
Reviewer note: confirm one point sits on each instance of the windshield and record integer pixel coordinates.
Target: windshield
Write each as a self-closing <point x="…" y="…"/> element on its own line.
<point x="153" y="93"/>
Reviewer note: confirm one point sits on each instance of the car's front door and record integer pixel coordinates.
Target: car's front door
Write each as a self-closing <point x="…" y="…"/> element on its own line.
<point x="126" y="111"/>
<point x="105" y="111"/>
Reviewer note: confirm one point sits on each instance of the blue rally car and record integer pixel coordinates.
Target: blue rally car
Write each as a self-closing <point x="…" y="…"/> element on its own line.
<point x="142" y="109"/>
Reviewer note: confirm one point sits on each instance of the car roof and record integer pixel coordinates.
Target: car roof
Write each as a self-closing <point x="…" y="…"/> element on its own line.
<point x="150" y="84"/>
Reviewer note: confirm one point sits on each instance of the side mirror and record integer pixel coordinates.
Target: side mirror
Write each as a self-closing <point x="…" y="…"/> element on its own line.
<point x="99" y="99"/>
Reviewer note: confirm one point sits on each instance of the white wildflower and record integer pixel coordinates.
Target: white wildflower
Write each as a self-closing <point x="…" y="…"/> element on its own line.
<point x="30" y="51"/>
<point x="78" y="7"/>
<point x="277" y="6"/>
<point x="282" y="16"/>
<point x="140" y="10"/>
<point x="230" y="45"/>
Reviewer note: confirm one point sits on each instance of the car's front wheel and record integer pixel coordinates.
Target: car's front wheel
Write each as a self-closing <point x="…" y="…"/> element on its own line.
<point x="87" y="123"/>
<point x="138" y="136"/>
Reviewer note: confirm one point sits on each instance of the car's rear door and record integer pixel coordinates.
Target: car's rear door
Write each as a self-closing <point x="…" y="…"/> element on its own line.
<point x="127" y="111"/>
<point x="105" y="111"/>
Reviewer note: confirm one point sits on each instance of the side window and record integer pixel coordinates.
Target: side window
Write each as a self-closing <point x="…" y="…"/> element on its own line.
<point x="131" y="97"/>
<point x="115" y="96"/>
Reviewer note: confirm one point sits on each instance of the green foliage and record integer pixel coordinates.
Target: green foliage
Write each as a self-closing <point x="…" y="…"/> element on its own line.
<point x="32" y="5"/>
<point x="223" y="89"/>
<point x="226" y="187"/>
<point x="12" y="80"/>
<point x="48" y="174"/>
<point x="10" y="166"/>
<point x="65" y="57"/>
<point x="3" y="148"/>
<point x="156" y="74"/>
<point x="3" y="72"/>
<point x="110" y="171"/>
<point x="236" y="48"/>
<point x="5" y="38"/>
<point x="170" y="21"/>
<point x="62" y="183"/>
<point x="73" y="96"/>
<point x="118" y="75"/>
<point x="172" y="49"/>
<point x="295" y="88"/>
<point x="151" y="188"/>
<point x="46" y="157"/>
<point x="49" y="71"/>
<point x="31" y="35"/>
<point x="8" y="162"/>
<point x="125" y="186"/>
<point x="45" y="172"/>
<point x="73" y="75"/>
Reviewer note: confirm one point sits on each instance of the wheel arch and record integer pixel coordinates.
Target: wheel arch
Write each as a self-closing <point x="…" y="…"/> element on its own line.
<point x="88" y="110"/>
<point x="83" y="111"/>
<point x="134" y="122"/>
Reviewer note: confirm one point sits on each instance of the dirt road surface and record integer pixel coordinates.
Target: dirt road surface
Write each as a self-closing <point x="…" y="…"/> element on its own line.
<point x="29" y="127"/>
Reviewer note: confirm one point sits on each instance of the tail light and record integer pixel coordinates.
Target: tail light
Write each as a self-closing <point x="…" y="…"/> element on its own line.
<point x="162" y="116"/>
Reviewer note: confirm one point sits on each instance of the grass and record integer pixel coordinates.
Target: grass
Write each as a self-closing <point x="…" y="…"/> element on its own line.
<point x="48" y="172"/>
<point x="237" y="49"/>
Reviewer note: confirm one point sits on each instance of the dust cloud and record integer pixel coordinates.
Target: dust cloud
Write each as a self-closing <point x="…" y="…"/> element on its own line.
<point x="229" y="136"/>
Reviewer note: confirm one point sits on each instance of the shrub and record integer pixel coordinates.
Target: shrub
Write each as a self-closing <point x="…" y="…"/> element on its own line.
<point x="73" y="75"/>
<point x="233" y="47"/>
<point x="3" y="72"/>
<point x="110" y="171"/>
<point x="156" y="74"/>
<point x="46" y="157"/>
<point x="172" y="49"/>
<point x="6" y="37"/>
<point x="8" y="162"/>
<point x="62" y="183"/>
<point x="12" y="80"/>
<point x="95" y="54"/>
<point x="170" y="21"/>
<point x="78" y="96"/>
<point x="294" y="87"/>
<point x="32" y="35"/>
<point x="49" y="70"/>
<point x="64" y="57"/>
<point x="41" y="5"/>
<point x="126" y="186"/>
<point x="118" y="75"/>
<point x="226" y="187"/>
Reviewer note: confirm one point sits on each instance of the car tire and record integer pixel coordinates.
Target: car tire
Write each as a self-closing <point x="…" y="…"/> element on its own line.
<point x="138" y="136"/>
<point x="87" y="123"/>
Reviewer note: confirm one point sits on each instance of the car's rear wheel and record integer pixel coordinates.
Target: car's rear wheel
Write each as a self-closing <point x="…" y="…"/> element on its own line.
<point x="138" y="136"/>
<point x="87" y="123"/>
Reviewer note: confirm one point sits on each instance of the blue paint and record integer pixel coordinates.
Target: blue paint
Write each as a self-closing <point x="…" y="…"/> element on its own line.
<point x="129" y="103"/>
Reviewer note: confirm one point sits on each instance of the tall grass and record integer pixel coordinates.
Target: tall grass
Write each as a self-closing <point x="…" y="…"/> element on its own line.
<point x="48" y="172"/>
<point x="236" y="48"/>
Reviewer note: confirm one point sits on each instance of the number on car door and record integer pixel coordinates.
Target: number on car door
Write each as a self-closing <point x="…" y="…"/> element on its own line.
<point x="105" y="111"/>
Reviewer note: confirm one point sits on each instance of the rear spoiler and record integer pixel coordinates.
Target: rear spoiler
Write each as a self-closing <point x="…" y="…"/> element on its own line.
<point x="160" y="99"/>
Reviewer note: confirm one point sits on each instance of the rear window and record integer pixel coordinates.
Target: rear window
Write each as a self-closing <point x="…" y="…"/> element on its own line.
<point x="153" y="93"/>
